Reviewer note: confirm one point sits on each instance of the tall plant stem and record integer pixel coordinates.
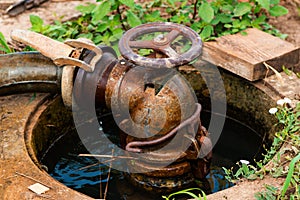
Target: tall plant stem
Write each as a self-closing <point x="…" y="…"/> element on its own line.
<point x="195" y="9"/>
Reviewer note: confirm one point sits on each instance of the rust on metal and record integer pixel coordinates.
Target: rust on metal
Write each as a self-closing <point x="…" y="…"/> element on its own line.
<point x="83" y="43"/>
<point x="135" y="146"/>
<point x="48" y="47"/>
<point x="28" y="72"/>
<point x="176" y="169"/>
<point x="158" y="184"/>
<point x="148" y="91"/>
<point x="161" y="44"/>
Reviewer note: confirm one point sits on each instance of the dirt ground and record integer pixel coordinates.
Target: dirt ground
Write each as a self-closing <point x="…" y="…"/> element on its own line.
<point x="48" y="11"/>
<point x="290" y="23"/>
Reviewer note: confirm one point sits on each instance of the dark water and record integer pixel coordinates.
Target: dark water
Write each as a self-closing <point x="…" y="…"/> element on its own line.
<point x="87" y="175"/>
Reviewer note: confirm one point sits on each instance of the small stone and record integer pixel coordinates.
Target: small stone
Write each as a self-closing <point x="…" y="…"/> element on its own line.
<point x="38" y="188"/>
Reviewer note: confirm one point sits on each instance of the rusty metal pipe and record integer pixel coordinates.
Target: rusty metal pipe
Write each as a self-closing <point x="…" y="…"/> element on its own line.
<point x="28" y="72"/>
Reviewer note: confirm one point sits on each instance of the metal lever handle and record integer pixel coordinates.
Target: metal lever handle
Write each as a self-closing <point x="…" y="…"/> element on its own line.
<point x="22" y="5"/>
<point x="63" y="54"/>
<point x="45" y="45"/>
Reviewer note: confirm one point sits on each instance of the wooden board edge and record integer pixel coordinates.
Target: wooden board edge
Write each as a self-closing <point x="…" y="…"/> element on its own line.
<point x="222" y="59"/>
<point x="289" y="60"/>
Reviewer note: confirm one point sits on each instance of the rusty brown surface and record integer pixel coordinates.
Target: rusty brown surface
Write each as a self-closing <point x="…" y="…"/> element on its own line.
<point x="45" y="45"/>
<point x="28" y="72"/>
<point x="110" y="80"/>
<point x="161" y="44"/>
<point x="157" y="186"/>
<point x="177" y="169"/>
<point x="12" y="187"/>
<point x="156" y="102"/>
<point x="189" y="123"/>
<point x="15" y="112"/>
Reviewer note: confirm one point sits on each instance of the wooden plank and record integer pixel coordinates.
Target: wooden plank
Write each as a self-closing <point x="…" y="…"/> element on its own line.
<point x="244" y="55"/>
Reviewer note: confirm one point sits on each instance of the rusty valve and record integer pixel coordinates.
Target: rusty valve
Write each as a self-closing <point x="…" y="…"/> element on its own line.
<point x="161" y="43"/>
<point x="151" y="103"/>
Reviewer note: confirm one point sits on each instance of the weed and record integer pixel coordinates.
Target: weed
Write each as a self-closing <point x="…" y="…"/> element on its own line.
<point x="286" y="70"/>
<point x="4" y="46"/>
<point x="189" y="193"/>
<point x="105" y="22"/>
<point x="289" y="122"/>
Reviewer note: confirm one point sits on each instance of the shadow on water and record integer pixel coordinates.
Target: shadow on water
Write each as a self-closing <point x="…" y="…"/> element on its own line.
<point x="85" y="174"/>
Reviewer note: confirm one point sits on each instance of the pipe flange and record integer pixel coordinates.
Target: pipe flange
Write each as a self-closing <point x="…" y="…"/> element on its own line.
<point x="67" y="85"/>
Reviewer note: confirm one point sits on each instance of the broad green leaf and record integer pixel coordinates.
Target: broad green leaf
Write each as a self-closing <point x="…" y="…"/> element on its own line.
<point x="117" y="33"/>
<point x="236" y="23"/>
<point x="261" y="19"/>
<point x="245" y="23"/>
<point x="113" y="21"/>
<point x="153" y="17"/>
<point x="274" y="2"/>
<point x="256" y="10"/>
<point x="196" y="26"/>
<point x="172" y="2"/>
<point x="227" y="25"/>
<point x="86" y="9"/>
<point x="215" y="21"/>
<point x="242" y="8"/>
<point x="224" y="18"/>
<point x="206" y="12"/>
<point x="102" y="27"/>
<point x="132" y="19"/>
<point x="206" y="32"/>
<point x="227" y="8"/>
<point x="86" y="35"/>
<point x="278" y="11"/>
<point x="97" y="39"/>
<point x="4" y="44"/>
<point x="264" y="3"/>
<point x="129" y="3"/>
<point x="36" y="22"/>
<point x="100" y="11"/>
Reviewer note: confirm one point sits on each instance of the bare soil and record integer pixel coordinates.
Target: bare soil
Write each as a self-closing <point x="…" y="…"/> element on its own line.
<point x="48" y="11"/>
<point x="290" y="23"/>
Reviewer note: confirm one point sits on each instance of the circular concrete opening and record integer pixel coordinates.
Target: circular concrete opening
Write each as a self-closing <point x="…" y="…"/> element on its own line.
<point x="54" y="144"/>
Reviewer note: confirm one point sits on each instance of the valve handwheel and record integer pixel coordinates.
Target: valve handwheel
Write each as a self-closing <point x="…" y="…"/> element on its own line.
<point x="161" y="43"/>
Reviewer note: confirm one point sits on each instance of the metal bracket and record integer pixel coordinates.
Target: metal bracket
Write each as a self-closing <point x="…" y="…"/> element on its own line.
<point x="65" y="54"/>
<point x="80" y="43"/>
<point x="67" y="85"/>
<point x="61" y="53"/>
<point x="70" y="63"/>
